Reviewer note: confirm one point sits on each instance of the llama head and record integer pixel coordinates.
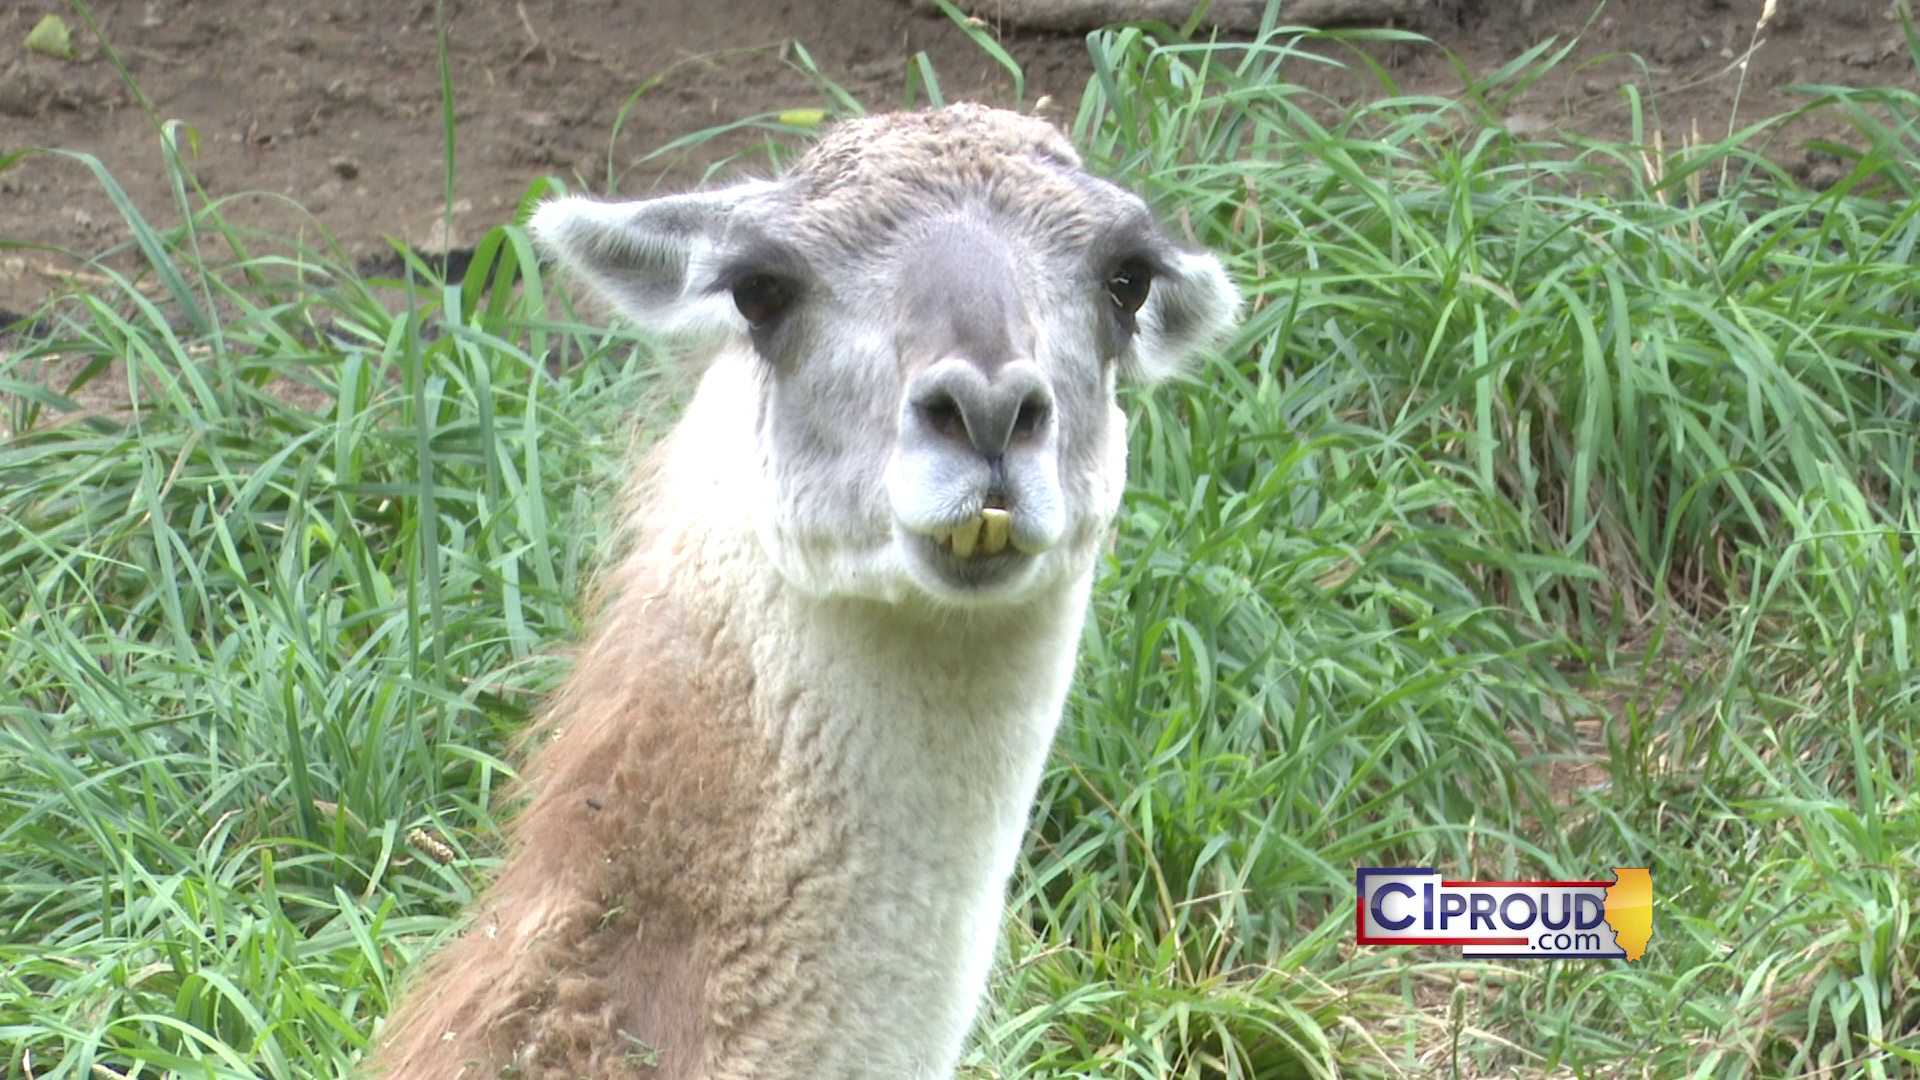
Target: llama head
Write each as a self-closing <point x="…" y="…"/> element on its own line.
<point x="930" y="311"/>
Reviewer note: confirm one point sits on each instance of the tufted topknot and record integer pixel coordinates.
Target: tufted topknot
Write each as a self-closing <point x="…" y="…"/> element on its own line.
<point x="858" y="150"/>
<point x="870" y="174"/>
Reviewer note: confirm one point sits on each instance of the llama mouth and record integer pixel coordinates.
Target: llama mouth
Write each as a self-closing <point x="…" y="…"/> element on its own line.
<point x="986" y="533"/>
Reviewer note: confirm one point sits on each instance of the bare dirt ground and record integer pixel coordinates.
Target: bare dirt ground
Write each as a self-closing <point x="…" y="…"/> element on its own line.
<point x="334" y="105"/>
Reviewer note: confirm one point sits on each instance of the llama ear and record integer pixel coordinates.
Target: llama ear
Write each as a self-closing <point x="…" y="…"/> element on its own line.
<point x="643" y="256"/>
<point x="1191" y="305"/>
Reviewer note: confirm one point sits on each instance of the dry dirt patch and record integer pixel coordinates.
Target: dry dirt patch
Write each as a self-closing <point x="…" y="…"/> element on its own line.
<point x="333" y="106"/>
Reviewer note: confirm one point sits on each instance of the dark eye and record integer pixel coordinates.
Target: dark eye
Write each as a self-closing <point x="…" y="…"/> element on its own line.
<point x="1129" y="284"/>
<point x="761" y="299"/>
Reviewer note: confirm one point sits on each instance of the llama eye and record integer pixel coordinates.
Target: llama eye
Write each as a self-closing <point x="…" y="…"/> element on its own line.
<point x="761" y="299"/>
<point x="1128" y="286"/>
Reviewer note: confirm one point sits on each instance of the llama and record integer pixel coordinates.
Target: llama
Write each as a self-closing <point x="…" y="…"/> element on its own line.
<point x="782" y="790"/>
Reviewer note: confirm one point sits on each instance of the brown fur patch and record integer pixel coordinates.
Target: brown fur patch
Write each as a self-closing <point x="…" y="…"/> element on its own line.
<point x="589" y="956"/>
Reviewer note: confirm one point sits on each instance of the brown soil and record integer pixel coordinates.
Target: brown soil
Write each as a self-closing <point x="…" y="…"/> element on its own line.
<point x="335" y="104"/>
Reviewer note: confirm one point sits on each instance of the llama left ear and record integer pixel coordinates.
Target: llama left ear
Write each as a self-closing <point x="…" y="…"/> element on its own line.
<point x="1191" y="305"/>
<point x="642" y="256"/>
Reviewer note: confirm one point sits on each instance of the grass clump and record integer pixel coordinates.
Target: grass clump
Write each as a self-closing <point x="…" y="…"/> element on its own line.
<point x="1554" y="510"/>
<point x="263" y="630"/>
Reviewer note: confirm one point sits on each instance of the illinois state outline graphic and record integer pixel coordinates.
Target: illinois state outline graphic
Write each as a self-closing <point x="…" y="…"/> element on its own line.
<point x="1630" y="908"/>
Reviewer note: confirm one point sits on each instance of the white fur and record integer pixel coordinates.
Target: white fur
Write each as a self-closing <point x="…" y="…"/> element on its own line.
<point x="929" y="726"/>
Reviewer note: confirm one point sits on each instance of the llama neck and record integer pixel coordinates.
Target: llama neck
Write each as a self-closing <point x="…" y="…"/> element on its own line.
<point x="898" y="748"/>
<point x="901" y="759"/>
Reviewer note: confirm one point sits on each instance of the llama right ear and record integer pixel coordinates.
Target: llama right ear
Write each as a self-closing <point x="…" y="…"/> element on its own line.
<point x="642" y="256"/>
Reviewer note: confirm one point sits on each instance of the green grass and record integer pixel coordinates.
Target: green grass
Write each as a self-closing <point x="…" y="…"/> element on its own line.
<point x="1557" y="508"/>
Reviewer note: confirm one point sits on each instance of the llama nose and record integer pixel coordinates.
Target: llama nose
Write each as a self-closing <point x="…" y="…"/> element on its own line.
<point x="964" y="404"/>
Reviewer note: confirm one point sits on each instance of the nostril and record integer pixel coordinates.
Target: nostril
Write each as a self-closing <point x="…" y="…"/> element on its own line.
<point x="1031" y="418"/>
<point x="963" y="405"/>
<point x="942" y="413"/>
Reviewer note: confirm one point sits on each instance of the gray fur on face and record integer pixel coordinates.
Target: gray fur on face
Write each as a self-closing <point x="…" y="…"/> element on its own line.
<point x="945" y="339"/>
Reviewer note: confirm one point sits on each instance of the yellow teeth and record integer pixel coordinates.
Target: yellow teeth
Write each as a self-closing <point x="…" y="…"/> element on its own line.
<point x="994" y="536"/>
<point x="986" y="534"/>
<point x="965" y="537"/>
